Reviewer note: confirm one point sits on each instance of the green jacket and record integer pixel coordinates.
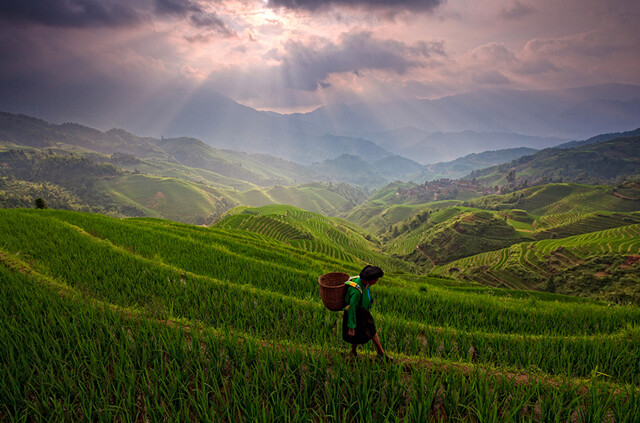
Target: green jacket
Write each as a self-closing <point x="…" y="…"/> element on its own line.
<point x="354" y="300"/>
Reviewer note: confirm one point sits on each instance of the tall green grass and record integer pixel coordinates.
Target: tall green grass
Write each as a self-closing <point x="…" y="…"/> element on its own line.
<point x="68" y="360"/>
<point x="142" y="318"/>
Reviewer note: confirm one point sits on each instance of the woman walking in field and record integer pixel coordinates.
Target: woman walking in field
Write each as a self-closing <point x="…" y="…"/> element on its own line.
<point x="358" y="326"/>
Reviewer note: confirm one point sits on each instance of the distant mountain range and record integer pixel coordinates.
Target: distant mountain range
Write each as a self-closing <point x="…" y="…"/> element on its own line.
<point x="458" y="168"/>
<point x="370" y="167"/>
<point x="594" y="162"/>
<point x="116" y="172"/>
<point x="566" y="113"/>
<point x="429" y="148"/>
<point x="600" y="138"/>
<point x="426" y="131"/>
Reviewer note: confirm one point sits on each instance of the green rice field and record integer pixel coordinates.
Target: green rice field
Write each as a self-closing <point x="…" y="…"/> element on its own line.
<point x="142" y="319"/>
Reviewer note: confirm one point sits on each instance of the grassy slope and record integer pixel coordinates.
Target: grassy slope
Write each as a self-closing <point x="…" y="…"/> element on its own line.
<point x="195" y="153"/>
<point x="126" y="332"/>
<point x="162" y="197"/>
<point x="317" y="198"/>
<point x="313" y="232"/>
<point x="383" y="209"/>
<point x="193" y="174"/>
<point x="378" y="217"/>
<point x="571" y="223"/>
<point x="559" y="198"/>
<point x="551" y="211"/>
<point x="468" y="233"/>
<point x="443" y="227"/>
<point x="235" y="178"/>
<point x="592" y="163"/>
<point x="163" y="189"/>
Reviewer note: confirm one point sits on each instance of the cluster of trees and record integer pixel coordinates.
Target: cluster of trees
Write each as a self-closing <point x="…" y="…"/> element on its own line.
<point x="407" y="225"/>
<point x="603" y="276"/>
<point x="356" y="195"/>
<point x="23" y="194"/>
<point x="61" y="181"/>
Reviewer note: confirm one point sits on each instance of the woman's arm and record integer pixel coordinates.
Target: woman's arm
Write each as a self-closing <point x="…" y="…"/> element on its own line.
<point x="353" y="303"/>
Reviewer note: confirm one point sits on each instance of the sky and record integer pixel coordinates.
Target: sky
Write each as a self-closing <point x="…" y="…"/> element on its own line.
<point x="86" y="56"/>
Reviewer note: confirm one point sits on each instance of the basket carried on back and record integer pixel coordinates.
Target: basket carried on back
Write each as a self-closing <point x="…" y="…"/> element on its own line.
<point x="333" y="290"/>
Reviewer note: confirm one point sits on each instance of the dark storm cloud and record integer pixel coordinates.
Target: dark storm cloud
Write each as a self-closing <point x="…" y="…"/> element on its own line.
<point x="313" y="5"/>
<point x="177" y="7"/>
<point x="307" y="68"/>
<point x="70" y="13"/>
<point x="212" y="22"/>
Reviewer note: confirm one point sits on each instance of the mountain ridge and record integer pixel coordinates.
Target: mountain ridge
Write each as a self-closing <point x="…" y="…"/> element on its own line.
<point x="548" y="117"/>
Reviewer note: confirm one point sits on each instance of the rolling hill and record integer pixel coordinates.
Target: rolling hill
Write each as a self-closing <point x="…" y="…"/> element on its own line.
<point x="115" y="185"/>
<point x="599" y="138"/>
<point x="603" y="264"/>
<point x="565" y="197"/>
<point x="464" y="234"/>
<point x="601" y="162"/>
<point x="440" y="232"/>
<point x="20" y="130"/>
<point x="334" y="237"/>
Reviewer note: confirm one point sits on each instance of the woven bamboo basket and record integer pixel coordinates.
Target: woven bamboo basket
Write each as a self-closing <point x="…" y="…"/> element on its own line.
<point x="333" y="290"/>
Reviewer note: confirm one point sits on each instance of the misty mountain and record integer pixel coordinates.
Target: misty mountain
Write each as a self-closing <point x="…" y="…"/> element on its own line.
<point x="426" y="131"/>
<point x="429" y="148"/>
<point x="32" y="132"/>
<point x="398" y="167"/>
<point x="462" y="166"/>
<point x="595" y="163"/>
<point x="351" y="169"/>
<point x="565" y="113"/>
<point x="599" y="138"/>
<point x="164" y="153"/>
<point x="226" y="124"/>
<point x="27" y="131"/>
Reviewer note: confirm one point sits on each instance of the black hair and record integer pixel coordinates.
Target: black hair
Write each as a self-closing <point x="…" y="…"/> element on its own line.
<point x="371" y="273"/>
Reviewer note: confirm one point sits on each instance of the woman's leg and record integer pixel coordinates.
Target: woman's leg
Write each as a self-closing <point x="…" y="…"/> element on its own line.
<point x="354" y="348"/>
<point x="376" y="342"/>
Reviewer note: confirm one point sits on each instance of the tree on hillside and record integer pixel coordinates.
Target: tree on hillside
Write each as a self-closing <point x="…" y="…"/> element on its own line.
<point x="40" y="203"/>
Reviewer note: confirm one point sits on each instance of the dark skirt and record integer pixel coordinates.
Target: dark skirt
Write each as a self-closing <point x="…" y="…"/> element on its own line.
<point x="365" y="327"/>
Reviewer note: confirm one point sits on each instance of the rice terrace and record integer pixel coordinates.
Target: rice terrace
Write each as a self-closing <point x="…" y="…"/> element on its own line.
<point x="320" y="211"/>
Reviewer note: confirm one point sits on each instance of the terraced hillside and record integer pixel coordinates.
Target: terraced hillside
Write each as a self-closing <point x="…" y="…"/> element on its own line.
<point x="383" y="208"/>
<point x="571" y="223"/>
<point x="455" y="232"/>
<point x="603" y="263"/>
<point x="143" y="319"/>
<point x="563" y="198"/>
<point x="442" y="235"/>
<point x="334" y="237"/>
<point x="467" y="234"/>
